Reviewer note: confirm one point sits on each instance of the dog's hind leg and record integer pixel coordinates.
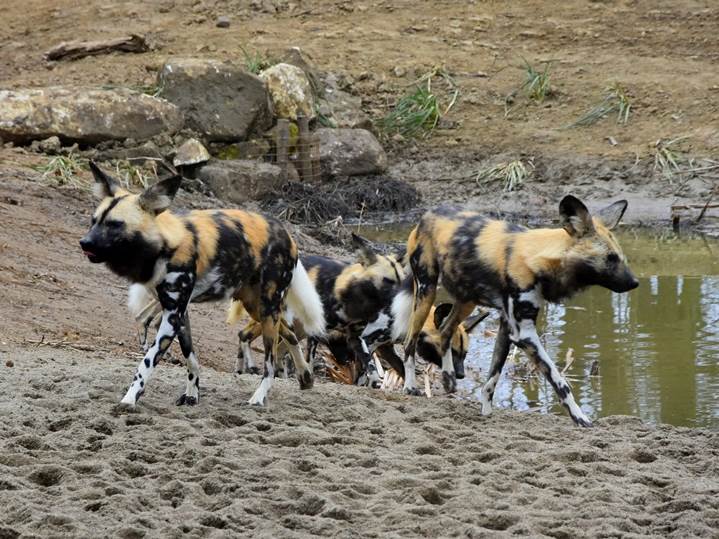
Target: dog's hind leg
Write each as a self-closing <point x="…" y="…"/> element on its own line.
<point x="245" y="360"/>
<point x="191" y="396"/>
<point x="304" y="372"/>
<point x="459" y="312"/>
<point x="499" y="356"/>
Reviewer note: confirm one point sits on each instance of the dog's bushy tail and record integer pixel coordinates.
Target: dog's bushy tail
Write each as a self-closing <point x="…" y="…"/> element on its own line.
<point x="402" y="308"/>
<point x="304" y="303"/>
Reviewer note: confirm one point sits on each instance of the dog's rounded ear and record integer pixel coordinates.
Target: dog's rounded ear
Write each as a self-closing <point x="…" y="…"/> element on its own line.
<point x="367" y="256"/>
<point x="105" y="185"/>
<point x="471" y="322"/>
<point x="158" y="197"/>
<point x="612" y="214"/>
<point x="575" y="217"/>
<point x="441" y="312"/>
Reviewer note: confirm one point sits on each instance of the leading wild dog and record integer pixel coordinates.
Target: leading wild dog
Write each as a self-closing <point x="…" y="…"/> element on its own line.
<point x="352" y="295"/>
<point x="510" y="268"/>
<point x="204" y="255"/>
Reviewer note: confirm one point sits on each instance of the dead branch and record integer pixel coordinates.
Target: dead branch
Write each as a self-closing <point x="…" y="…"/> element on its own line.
<point x="73" y="50"/>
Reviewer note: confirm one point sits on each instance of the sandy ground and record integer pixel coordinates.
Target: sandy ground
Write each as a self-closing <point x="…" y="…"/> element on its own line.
<point x="334" y="461"/>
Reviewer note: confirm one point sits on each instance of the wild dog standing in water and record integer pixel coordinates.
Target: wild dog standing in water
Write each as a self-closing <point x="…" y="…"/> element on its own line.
<point x="203" y="255"/>
<point x="488" y="262"/>
<point x="352" y="295"/>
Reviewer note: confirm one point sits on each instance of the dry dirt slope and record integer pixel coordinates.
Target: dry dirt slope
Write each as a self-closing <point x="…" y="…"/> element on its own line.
<point x="333" y="461"/>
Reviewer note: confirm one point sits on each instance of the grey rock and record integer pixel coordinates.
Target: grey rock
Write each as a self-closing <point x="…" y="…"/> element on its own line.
<point x="350" y="152"/>
<point x="239" y="180"/>
<point x="222" y="22"/>
<point x="221" y="102"/>
<point x="191" y="152"/>
<point x="340" y="107"/>
<point x="290" y="90"/>
<point x="84" y="115"/>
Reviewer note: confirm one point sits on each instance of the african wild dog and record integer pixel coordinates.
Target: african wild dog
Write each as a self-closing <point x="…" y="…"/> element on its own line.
<point x="390" y="327"/>
<point x="352" y="295"/>
<point x="493" y="263"/>
<point x="204" y="255"/>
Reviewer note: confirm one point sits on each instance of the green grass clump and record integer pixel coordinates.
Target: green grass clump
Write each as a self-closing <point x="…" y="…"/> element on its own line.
<point x="255" y="62"/>
<point x="615" y="100"/>
<point x="668" y="157"/>
<point x="536" y="85"/>
<point x="62" y="171"/>
<point x="511" y="174"/>
<point x="418" y="113"/>
<point x="135" y="176"/>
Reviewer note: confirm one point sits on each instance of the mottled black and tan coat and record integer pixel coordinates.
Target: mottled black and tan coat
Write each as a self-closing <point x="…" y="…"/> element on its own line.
<point x="482" y="261"/>
<point x="202" y="255"/>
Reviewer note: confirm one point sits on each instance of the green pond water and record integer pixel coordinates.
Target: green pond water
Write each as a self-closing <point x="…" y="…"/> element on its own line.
<point x="653" y="352"/>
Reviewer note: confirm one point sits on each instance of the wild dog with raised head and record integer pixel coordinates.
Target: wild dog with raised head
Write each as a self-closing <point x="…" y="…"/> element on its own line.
<point x="390" y="328"/>
<point x="489" y="262"/>
<point x="352" y="295"/>
<point x="204" y="255"/>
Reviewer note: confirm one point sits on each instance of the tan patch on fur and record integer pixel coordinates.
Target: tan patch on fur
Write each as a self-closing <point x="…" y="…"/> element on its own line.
<point x="537" y="251"/>
<point x="256" y="230"/>
<point x="443" y="231"/>
<point x="491" y="244"/>
<point x="312" y="273"/>
<point x="348" y="275"/>
<point x="207" y="236"/>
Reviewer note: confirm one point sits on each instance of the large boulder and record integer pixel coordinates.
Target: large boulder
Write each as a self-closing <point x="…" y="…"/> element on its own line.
<point x="221" y="102"/>
<point x="240" y="180"/>
<point x="84" y="115"/>
<point x="290" y="90"/>
<point x="350" y="152"/>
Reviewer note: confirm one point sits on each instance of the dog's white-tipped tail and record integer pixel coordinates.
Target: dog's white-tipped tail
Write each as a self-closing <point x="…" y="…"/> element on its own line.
<point x="235" y="312"/>
<point x="304" y="302"/>
<point x="141" y="303"/>
<point x="402" y="309"/>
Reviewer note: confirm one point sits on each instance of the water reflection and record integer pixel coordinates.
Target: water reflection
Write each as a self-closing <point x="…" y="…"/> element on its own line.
<point x="656" y="349"/>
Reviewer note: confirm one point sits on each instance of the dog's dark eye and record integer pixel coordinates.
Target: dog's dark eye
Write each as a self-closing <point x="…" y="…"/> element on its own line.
<point x="113" y="224"/>
<point x="612" y="258"/>
<point x="387" y="280"/>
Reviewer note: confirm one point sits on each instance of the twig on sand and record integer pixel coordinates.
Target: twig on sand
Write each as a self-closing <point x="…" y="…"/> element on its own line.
<point x="706" y="206"/>
<point x="427" y="384"/>
<point x="73" y="50"/>
<point x="77" y="347"/>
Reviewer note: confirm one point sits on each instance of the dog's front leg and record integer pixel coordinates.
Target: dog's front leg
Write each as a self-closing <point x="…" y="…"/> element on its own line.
<point x="174" y="295"/>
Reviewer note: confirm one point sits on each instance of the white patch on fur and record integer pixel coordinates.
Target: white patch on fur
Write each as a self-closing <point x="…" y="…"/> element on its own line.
<point x="380" y="323"/>
<point x="447" y="363"/>
<point x="141" y="302"/>
<point x="304" y="302"/>
<point x="259" y="398"/>
<point x="402" y="313"/>
<point x="410" y="382"/>
<point x="208" y="280"/>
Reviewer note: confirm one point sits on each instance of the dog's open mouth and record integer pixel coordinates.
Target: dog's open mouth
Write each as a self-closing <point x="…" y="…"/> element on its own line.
<point x="92" y="257"/>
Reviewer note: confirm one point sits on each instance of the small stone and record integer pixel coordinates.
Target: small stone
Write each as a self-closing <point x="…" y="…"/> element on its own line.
<point x="399" y="71"/>
<point x="9" y="363"/>
<point x="50" y="145"/>
<point x="222" y="22"/>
